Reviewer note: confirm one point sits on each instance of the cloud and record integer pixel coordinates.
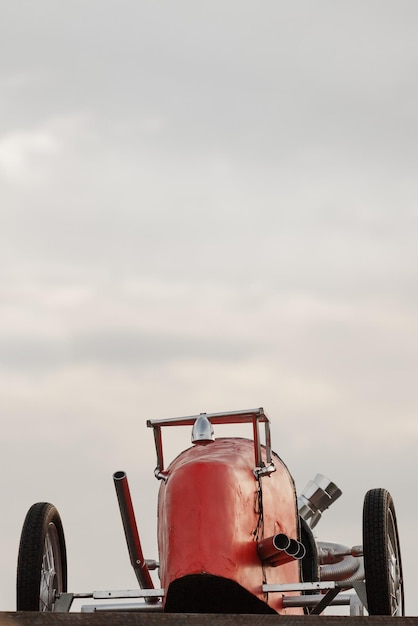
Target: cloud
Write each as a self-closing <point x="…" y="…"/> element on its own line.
<point x="204" y="208"/>
<point x="115" y="348"/>
<point x="22" y="154"/>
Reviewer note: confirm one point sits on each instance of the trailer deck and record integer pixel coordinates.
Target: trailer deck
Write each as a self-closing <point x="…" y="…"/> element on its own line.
<point x="29" y="618"/>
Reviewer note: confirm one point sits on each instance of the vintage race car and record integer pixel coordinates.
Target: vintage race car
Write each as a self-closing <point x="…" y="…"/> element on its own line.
<point x="233" y="537"/>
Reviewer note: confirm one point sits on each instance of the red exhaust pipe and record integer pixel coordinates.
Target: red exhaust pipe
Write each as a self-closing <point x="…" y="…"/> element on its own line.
<point x="131" y="533"/>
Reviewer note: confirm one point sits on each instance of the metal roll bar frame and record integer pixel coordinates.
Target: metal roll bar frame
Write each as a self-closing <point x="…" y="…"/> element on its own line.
<point x="250" y="416"/>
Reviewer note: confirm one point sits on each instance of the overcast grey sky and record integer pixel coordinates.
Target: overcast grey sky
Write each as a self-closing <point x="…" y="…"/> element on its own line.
<point x="205" y="206"/>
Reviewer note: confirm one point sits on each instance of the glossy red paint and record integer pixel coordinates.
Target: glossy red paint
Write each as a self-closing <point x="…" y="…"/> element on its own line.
<point x="211" y="515"/>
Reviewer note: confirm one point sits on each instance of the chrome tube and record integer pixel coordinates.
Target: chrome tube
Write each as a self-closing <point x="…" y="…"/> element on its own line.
<point x="131" y="533"/>
<point x="313" y="600"/>
<point x="270" y="547"/>
<point x="317" y="496"/>
<point x="279" y="549"/>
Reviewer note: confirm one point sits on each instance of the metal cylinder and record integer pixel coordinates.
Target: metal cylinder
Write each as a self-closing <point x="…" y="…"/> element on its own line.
<point x="272" y="546"/>
<point x="280" y="549"/>
<point x="296" y="549"/>
<point x="131" y="533"/>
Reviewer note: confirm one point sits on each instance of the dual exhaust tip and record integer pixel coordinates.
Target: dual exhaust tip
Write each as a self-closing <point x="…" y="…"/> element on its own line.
<point x="280" y="549"/>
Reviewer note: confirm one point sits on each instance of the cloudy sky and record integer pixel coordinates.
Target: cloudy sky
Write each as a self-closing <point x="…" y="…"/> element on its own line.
<point x="205" y="206"/>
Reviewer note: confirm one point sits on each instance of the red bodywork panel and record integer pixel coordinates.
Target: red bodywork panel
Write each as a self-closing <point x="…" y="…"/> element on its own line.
<point x="210" y="517"/>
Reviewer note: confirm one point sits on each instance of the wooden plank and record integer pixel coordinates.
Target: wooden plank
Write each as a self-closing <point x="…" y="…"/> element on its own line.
<point x="165" y="619"/>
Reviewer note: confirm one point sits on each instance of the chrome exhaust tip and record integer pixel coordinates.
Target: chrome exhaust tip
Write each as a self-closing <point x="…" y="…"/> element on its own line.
<point x="317" y="496"/>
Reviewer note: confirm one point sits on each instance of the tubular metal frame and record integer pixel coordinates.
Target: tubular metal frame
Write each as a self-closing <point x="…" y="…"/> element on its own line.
<point x="250" y="416"/>
<point x="331" y="596"/>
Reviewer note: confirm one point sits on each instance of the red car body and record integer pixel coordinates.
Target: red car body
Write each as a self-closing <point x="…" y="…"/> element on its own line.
<point x="213" y="511"/>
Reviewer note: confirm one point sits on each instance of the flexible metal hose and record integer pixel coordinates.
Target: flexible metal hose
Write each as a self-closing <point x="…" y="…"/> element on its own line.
<point x="343" y="567"/>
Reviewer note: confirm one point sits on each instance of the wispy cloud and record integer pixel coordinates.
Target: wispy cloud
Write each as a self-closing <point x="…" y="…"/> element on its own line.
<point x="24" y="154"/>
<point x="204" y="206"/>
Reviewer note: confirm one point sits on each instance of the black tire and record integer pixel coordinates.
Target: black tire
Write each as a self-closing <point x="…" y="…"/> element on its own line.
<point x="42" y="560"/>
<point x="382" y="555"/>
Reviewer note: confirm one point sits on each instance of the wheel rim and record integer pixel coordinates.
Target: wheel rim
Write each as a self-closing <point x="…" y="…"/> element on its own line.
<point x="51" y="570"/>
<point x="395" y="575"/>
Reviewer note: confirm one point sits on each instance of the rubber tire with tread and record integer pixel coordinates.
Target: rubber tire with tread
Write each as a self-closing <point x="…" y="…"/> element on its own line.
<point x="380" y="540"/>
<point x="41" y="518"/>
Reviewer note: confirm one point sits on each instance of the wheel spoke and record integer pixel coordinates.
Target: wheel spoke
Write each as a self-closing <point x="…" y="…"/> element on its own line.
<point x="393" y="566"/>
<point x="49" y="575"/>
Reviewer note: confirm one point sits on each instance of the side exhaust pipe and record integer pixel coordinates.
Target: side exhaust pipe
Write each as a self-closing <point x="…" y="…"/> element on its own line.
<point x="317" y="496"/>
<point x="280" y="549"/>
<point x="131" y="533"/>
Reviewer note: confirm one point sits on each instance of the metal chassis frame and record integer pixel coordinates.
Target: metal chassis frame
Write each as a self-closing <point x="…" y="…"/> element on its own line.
<point x="317" y="602"/>
<point x="153" y="596"/>
<point x="320" y="601"/>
